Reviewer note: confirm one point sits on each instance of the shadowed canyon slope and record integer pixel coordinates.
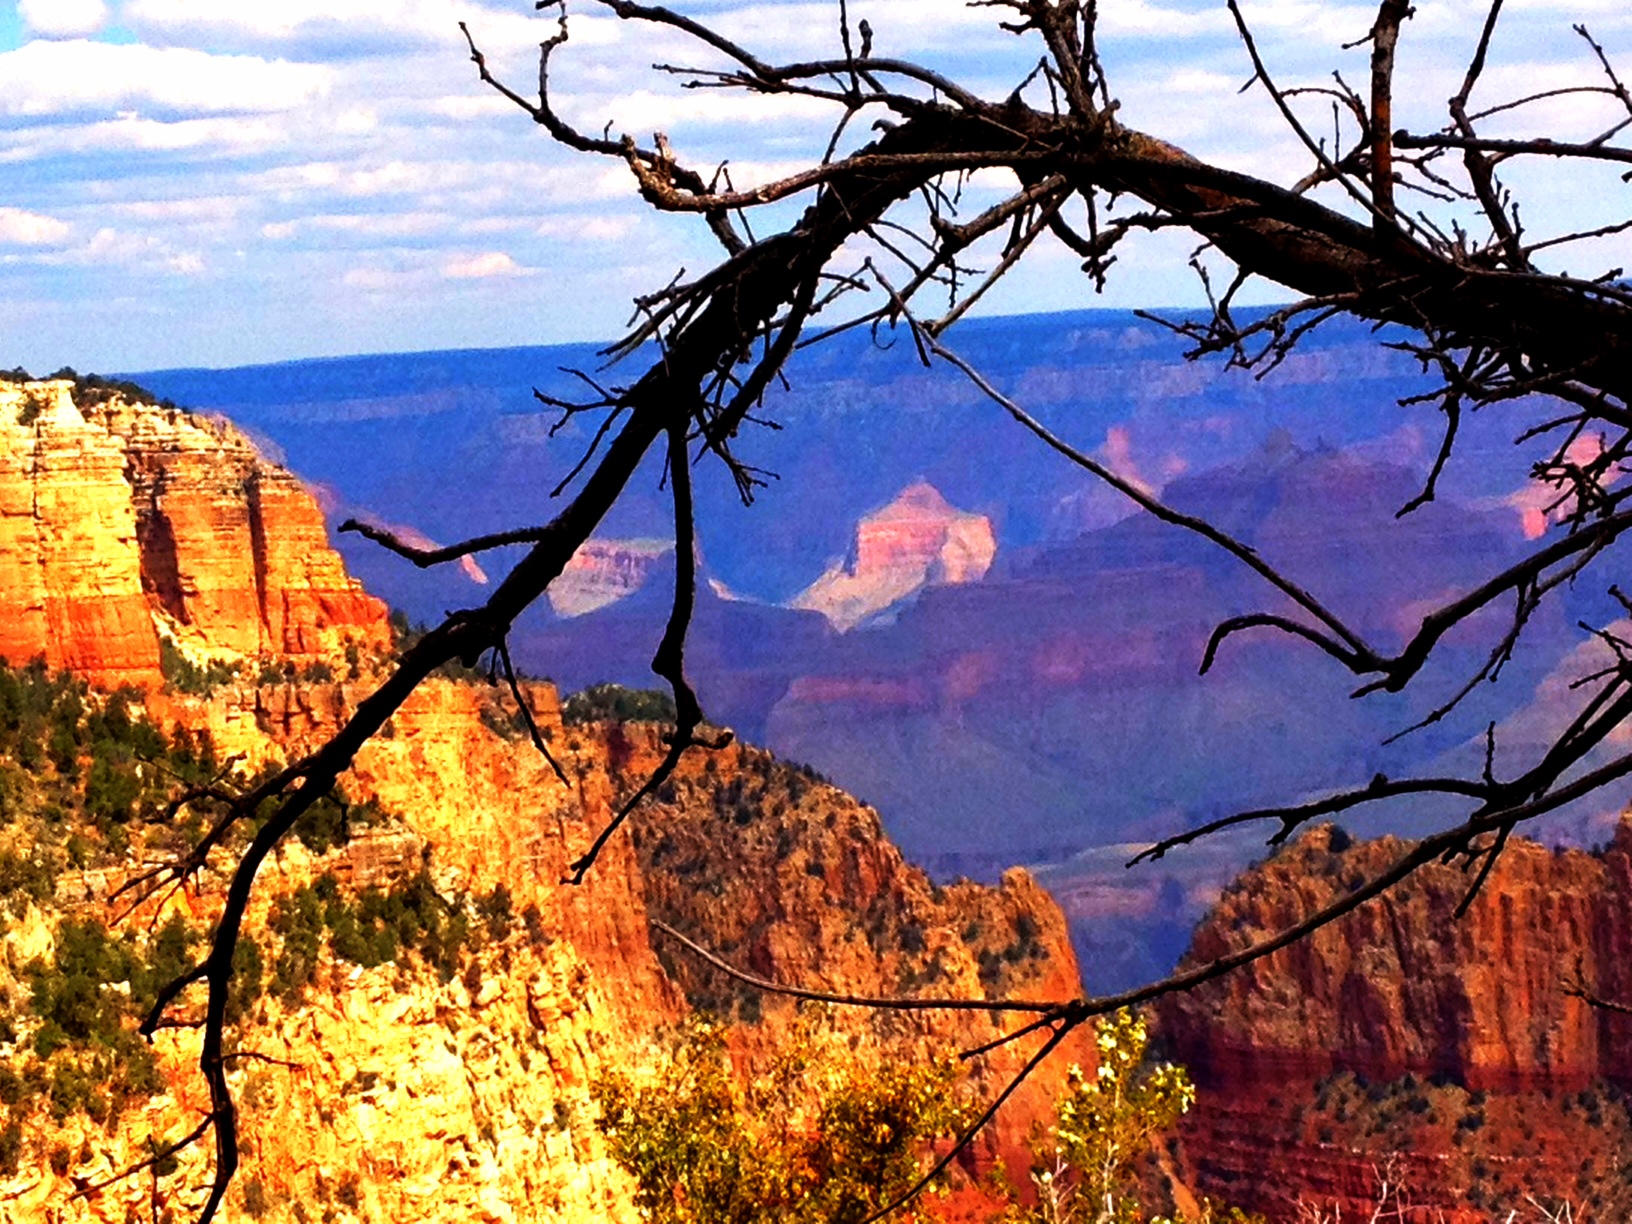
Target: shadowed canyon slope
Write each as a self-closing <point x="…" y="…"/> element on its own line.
<point x="425" y="1005"/>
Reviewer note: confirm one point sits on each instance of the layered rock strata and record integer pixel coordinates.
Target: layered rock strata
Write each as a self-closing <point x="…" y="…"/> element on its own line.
<point x="122" y="521"/>
<point x="918" y="540"/>
<point x="603" y="572"/>
<point x="1459" y="1049"/>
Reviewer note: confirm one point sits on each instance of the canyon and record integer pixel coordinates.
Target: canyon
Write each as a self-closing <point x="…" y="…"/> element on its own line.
<point x="434" y="1086"/>
<point x="1398" y="1044"/>
<point x="1058" y="684"/>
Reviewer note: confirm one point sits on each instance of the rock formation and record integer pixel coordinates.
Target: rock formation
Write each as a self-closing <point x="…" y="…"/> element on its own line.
<point x="388" y="1094"/>
<point x="603" y="572"/>
<point x="1452" y="1046"/>
<point x="70" y="569"/>
<point x="918" y="540"/>
<point x="123" y="521"/>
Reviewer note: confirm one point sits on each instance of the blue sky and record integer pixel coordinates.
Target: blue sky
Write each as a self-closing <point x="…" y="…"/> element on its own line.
<point x="219" y="182"/>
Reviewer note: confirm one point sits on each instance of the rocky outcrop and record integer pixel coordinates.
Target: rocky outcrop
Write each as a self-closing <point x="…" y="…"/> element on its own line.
<point x="390" y="1094"/>
<point x="1402" y="992"/>
<point x="70" y="570"/>
<point x="123" y="521"/>
<point x="918" y="540"/>
<point x="602" y="572"/>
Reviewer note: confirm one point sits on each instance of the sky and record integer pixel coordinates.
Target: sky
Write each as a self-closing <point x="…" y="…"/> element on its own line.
<point x="215" y="182"/>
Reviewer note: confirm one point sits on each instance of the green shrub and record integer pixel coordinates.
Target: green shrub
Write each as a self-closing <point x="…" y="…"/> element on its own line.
<point x="184" y="676"/>
<point x="93" y="389"/>
<point x="614" y="703"/>
<point x="256" y="1200"/>
<point x="11" y="1147"/>
<point x="494" y="909"/>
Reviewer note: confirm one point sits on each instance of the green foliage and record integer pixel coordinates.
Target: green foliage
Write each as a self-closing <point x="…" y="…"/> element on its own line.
<point x="26" y="878"/>
<point x="256" y="1200"/>
<point x="329" y="821"/>
<point x="11" y="1147"/>
<point x="614" y="703"/>
<point x="90" y="389"/>
<point x="496" y="910"/>
<point x="84" y="774"/>
<point x="69" y="996"/>
<point x="182" y="675"/>
<point x="816" y="1138"/>
<point x="1088" y="1173"/>
<point x="89" y="999"/>
<point x="375" y="928"/>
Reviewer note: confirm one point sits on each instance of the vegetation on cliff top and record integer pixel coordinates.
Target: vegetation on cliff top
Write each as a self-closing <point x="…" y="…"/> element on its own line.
<point x="92" y="389"/>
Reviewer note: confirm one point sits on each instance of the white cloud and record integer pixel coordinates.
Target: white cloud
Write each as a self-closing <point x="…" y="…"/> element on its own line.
<point x="1141" y="19"/>
<point x="368" y="226"/>
<point x="342" y="155"/>
<point x="644" y="110"/>
<point x="483" y="266"/>
<point x="63" y="18"/>
<point x="19" y="228"/>
<point x="357" y="121"/>
<point x="184" y="210"/>
<point x="477" y="184"/>
<point x="473" y="106"/>
<point x="431" y="22"/>
<point x="589" y="229"/>
<point x="53" y="78"/>
<point x="133" y="133"/>
<point x="383" y="280"/>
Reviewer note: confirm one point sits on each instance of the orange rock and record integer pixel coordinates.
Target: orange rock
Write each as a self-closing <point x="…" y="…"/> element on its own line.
<point x="117" y="516"/>
<point x="70" y="573"/>
<point x="470" y="1099"/>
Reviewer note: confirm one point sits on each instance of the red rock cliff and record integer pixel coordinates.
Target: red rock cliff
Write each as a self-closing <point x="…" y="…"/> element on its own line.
<point x="469" y="1099"/>
<point x="1461" y="1033"/>
<point x="122" y="520"/>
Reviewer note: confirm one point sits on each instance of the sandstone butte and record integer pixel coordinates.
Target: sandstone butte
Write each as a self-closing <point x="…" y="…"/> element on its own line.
<point x="123" y="522"/>
<point x="388" y="1094"/>
<point x="603" y="572"/>
<point x="1401" y="1041"/>
<point x="918" y="540"/>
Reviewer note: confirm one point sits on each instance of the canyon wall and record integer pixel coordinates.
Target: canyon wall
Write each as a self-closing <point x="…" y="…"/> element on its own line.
<point x="124" y="521"/>
<point x="390" y="1094"/>
<point x="603" y="572"/>
<point x="1452" y="1047"/>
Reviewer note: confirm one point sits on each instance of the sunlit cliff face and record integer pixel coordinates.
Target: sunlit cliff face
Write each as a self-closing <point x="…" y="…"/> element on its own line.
<point x="918" y="540"/>
<point x="1450" y="1049"/>
<point x="416" y="1073"/>
<point x="124" y="522"/>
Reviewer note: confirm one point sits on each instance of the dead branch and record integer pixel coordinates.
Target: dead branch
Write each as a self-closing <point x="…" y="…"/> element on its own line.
<point x="1496" y="329"/>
